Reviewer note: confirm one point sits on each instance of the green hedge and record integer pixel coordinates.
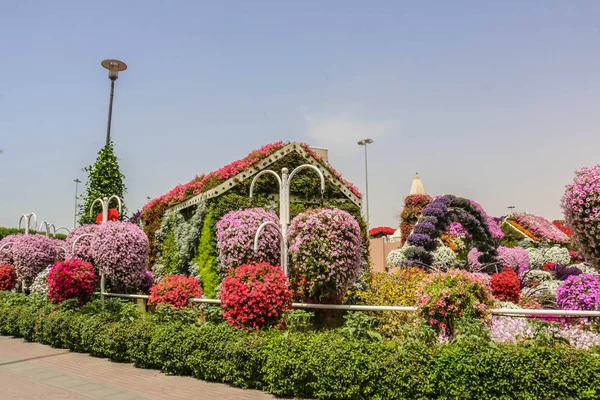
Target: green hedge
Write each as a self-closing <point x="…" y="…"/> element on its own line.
<point x="12" y="231"/>
<point x="324" y="365"/>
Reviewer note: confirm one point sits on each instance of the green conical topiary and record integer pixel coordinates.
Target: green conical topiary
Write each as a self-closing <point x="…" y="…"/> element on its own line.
<point x="104" y="180"/>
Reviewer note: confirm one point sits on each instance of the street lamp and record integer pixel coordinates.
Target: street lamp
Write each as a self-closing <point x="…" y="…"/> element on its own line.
<point x="366" y="142"/>
<point x="113" y="67"/>
<point x="511" y="208"/>
<point x="77" y="182"/>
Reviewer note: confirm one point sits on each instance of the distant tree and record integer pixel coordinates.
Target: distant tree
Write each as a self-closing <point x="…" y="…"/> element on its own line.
<point x="104" y="180"/>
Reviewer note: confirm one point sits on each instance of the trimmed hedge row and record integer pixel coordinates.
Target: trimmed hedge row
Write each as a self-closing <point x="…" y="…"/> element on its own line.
<point x="13" y="231"/>
<point x="324" y="365"/>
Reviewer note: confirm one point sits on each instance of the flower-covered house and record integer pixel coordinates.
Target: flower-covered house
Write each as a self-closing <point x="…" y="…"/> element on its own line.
<point x="181" y="225"/>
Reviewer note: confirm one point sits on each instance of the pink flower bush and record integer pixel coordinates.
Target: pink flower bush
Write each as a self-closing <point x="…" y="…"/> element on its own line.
<point x="31" y="254"/>
<point x="71" y="279"/>
<point x="255" y="295"/>
<point x="540" y="227"/>
<point x="579" y="292"/>
<point x="326" y="252"/>
<point x="515" y="258"/>
<point x="6" y="256"/>
<point x="235" y="238"/>
<point x="120" y="251"/>
<point x="581" y="205"/>
<point x="83" y="248"/>
<point x="176" y="290"/>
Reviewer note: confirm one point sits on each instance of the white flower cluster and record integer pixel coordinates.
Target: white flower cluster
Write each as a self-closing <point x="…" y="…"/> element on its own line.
<point x="444" y="258"/>
<point x="39" y="283"/>
<point x="549" y="287"/>
<point x="536" y="275"/>
<point x="540" y="256"/>
<point x="397" y="256"/>
<point x="586" y="269"/>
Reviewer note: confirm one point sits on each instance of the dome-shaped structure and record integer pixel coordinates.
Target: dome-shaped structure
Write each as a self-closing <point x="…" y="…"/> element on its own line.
<point x="417" y="186"/>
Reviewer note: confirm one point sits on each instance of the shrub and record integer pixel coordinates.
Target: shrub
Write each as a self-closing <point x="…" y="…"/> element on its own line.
<point x="83" y="248"/>
<point x="445" y="297"/>
<point x="515" y="258"/>
<point x="506" y="286"/>
<point x="255" y="295"/>
<point x="206" y="257"/>
<point x="147" y="282"/>
<point x="6" y="256"/>
<point x="325" y="251"/>
<point x="8" y="277"/>
<point x="39" y="284"/>
<point x="581" y="205"/>
<point x="396" y="256"/>
<point x="120" y="251"/>
<point x="235" y="238"/>
<point x="71" y="279"/>
<point x="31" y="254"/>
<point x="176" y="290"/>
<point x="579" y="292"/>
<point x="562" y="272"/>
<point x="398" y="288"/>
<point x="444" y="258"/>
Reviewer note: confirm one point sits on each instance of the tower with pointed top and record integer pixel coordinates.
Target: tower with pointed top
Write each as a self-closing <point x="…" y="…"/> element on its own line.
<point x="417" y="186"/>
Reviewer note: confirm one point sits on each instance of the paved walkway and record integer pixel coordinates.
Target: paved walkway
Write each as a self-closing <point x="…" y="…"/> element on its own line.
<point x="31" y="371"/>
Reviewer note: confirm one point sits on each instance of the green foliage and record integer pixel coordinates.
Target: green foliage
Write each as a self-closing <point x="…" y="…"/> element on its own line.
<point x="104" y="180"/>
<point x="206" y="257"/>
<point x="169" y="254"/>
<point x="309" y="364"/>
<point x="297" y="320"/>
<point x="13" y="231"/>
<point x="361" y="326"/>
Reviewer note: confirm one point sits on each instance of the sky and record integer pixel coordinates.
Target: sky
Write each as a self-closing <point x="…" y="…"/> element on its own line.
<point x="494" y="101"/>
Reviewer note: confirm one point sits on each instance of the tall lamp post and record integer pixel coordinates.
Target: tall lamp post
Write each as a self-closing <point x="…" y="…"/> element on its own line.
<point x="366" y="142"/>
<point x="113" y="67"/>
<point x="77" y="182"/>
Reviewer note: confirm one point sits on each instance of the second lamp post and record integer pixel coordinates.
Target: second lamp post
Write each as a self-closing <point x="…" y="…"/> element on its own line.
<point x="113" y="67"/>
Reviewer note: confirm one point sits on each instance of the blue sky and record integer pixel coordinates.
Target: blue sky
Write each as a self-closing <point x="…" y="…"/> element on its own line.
<point x="496" y="101"/>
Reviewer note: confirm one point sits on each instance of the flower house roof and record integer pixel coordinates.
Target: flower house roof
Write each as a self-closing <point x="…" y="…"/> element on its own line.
<point x="224" y="179"/>
<point x="417" y="186"/>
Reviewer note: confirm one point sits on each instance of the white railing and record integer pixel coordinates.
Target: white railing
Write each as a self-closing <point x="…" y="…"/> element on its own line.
<point x="351" y="307"/>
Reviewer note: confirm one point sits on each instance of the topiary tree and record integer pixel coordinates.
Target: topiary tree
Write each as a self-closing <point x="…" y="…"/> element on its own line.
<point x="104" y="180"/>
<point x="581" y="205"/>
<point x="326" y="253"/>
<point x="120" y="251"/>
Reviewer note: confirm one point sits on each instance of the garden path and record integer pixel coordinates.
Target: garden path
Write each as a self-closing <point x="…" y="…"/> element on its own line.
<point x="33" y="371"/>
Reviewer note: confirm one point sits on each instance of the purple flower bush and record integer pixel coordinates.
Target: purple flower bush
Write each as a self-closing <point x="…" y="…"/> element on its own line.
<point x="562" y="272"/>
<point x="579" y="292"/>
<point x="326" y="251"/>
<point x="235" y="238"/>
<point x="515" y="258"/>
<point x="32" y="254"/>
<point x="120" y="251"/>
<point x="83" y="248"/>
<point x="581" y="205"/>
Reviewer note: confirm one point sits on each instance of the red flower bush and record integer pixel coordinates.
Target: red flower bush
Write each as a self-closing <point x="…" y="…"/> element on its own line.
<point x="71" y="279"/>
<point x="506" y="286"/>
<point x="255" y="295"/>
<point x="176" y="290"/>
<point x="561" y="225"/>
<point x="381" y="231"/>
<point x="8" y="277"/>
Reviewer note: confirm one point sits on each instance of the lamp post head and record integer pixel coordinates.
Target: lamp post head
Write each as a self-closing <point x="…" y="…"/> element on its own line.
<point x="365" y="142"/>
<point x="77" y="180"/>
<point x="114" y="67"/>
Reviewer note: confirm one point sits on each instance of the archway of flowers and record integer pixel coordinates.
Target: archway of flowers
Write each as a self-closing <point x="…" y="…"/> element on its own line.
<point x="435" y="220"/>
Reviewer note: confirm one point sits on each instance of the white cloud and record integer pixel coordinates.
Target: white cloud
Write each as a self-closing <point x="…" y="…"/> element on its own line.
<point x="341" y="132"/>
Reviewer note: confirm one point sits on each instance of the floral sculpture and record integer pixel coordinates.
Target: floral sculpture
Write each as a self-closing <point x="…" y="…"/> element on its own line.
<point x="255" y="295"/>
<point x="175" y="290"/>
<point x="113" y="215"/>
<point x="538" y="228"/>
<point x="381" y="231"/>
<point x="413" y="206"/>
<point x="31" y="254"/>
<point x="326" y="252"/>
<point x="235" y="238"/>
<point x="436" y="218"/>
<point x="581" y="205"/>
<point x="6" y="252"/>
<point x="444" y="297"/>
<point x="457" y="229"/>
<point x="8" y="277"/>
<point x="120" y="251"/>
<point x="71" y="279"/>
<point x="579" y="292"/>
<point x="83" y="247"/>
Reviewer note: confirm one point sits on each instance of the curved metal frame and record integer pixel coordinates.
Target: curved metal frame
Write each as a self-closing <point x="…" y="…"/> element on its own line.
<point x="283" y="243"/>
<point x="28" y="220"/>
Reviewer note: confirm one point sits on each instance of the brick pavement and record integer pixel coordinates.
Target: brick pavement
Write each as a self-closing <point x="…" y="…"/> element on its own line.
<point x="34" y="371"/>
